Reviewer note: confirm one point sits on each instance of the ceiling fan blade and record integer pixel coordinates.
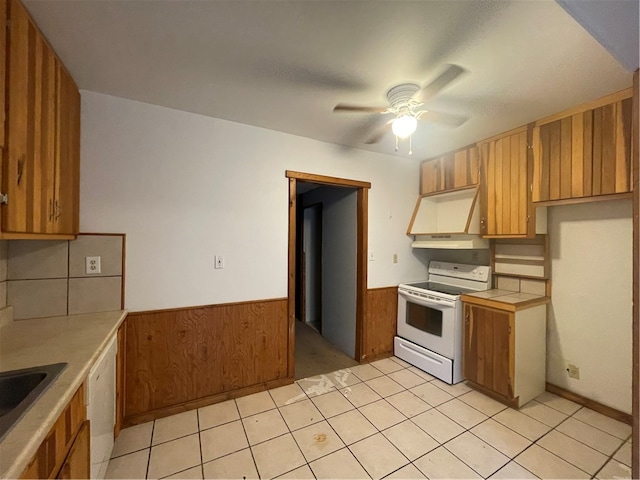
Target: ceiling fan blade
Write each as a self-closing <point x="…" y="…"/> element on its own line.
<point x="445" y="78"/>
<point x="378" y="133"/>
<point x="449" y="119"/>
<point x="342" y="107"/>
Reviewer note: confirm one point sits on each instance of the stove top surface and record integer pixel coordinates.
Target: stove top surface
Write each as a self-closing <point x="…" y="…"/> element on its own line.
<point x="440" y="288"/>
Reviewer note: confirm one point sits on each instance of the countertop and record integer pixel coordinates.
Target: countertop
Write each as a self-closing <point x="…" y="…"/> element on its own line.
<point x="75" y="339"/>
<point x="505" y="299"/>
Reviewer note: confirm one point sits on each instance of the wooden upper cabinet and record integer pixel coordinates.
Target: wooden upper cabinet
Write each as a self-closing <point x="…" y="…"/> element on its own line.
<point x="3" y="70"/>
<point x="504" y="186"/>
<point x="67" y="159"/>
<point x="454" y="170"/>
<point x="40" y="171"/>
<point x="584" y="152"/>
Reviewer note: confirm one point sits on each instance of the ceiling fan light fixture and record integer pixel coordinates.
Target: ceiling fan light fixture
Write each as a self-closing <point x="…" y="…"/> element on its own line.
<point x="404" y="126"/>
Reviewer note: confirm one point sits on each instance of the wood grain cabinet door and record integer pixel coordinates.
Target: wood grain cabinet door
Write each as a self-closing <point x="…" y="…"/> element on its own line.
<point x="488" y="349"/>
<point x="504" y="187"/>
<point x="453" y="170"/>
<point x="67" y="159"/>
<point x="78" y="461"/>
<point x="28" y="169"/>
<point x="431" y="176"/>
<point x="584" y="154"/>
<point x="3" y="70"/>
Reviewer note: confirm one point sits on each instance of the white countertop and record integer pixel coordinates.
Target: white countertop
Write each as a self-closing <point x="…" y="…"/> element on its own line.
<point x="505" y="298"/>
<point x="75" y="339"/>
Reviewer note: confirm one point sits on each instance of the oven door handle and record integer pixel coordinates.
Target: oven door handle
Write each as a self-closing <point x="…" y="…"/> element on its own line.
<point x="425" y="301"/>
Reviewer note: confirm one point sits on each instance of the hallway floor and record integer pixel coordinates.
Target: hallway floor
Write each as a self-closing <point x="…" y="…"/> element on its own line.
<point x="315" y="355"/>
<point x="380" y="420"/>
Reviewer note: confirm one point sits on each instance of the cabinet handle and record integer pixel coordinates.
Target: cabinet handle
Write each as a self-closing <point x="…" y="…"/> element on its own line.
<point x="58" y="210"/>
<point x="20" y="169"/>
<point x="50" y="210"/>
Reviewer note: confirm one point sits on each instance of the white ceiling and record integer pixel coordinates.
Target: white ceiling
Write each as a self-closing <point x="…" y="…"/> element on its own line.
<point x="284" y="65"/>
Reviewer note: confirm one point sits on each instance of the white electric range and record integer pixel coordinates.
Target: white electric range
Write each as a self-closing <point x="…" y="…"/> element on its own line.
<point x="430" y="318"/>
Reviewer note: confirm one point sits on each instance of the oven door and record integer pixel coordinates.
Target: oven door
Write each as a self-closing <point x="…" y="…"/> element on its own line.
<point x="427" y="322"/>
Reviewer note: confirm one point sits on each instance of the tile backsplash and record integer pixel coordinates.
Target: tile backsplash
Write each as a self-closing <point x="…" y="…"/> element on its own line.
<point x="524" y="285"/>
<point x="45" y="278"/>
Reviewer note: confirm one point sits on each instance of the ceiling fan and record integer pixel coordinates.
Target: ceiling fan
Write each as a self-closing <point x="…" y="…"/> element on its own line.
<point x="405" y="101"/>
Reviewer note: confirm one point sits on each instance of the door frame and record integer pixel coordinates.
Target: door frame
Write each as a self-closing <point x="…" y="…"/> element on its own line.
<point x="362" y="227"/>
<point x="635" y="385"/>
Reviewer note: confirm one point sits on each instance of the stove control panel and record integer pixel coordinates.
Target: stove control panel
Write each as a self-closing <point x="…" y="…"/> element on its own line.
<point x="479" y="273"/>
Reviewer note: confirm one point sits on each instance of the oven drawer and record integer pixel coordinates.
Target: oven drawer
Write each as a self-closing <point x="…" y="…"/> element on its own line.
<point x="432" y="363"/>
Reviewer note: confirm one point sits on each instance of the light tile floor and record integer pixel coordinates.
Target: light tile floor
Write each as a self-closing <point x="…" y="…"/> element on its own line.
<point x="381" y="420"/>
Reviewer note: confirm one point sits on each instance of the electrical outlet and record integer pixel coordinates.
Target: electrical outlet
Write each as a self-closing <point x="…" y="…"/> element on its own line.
<point x="395" y="258"/>
<point x="218" y="262"/>
<point x="92" y="265"/>
<point x="474" y="255"/>
<point x="371" y="256"/>
<point x="573" y="371"/>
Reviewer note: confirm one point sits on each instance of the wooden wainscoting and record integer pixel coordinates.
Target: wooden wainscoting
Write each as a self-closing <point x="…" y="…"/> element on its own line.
<point x="380" y="323"/>
<point x="185" y="358"/>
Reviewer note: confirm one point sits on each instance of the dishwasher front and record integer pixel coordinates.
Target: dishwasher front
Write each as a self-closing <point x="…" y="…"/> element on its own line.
<point x="101" y="408"/>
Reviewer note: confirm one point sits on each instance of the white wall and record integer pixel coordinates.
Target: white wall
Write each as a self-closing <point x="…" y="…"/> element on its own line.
<point x="590" y="318"/>
<point x="185" y="187"/>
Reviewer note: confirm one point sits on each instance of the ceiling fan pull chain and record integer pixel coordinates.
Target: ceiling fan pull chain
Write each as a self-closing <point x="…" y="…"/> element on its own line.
<point x="410" y="143"/>
<point x="397" y="148"/>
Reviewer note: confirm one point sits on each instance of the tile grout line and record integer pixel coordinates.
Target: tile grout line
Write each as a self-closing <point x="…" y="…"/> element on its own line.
<point x="153" y="427"/>
<point x="290" y="432"/>
<point x="611" y="457"/>
<point x="246" y="437"/>
<point x="331" y="426"/>
<point x="200" y="442"/>
<point x="405" y="418"/>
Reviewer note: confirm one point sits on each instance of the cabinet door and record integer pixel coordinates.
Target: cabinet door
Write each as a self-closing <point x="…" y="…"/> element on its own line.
<point x="504" y="188"/>
<point x="488" y="349"/>
<point x="78" y="461"/>
<point x="586" y="154"/>
<point x="431" y="176"/>
<point x="67" y="177"/>
<point x="3" y="69"/>
<point x="28" y="169"/>
<point x="457" y="169"/>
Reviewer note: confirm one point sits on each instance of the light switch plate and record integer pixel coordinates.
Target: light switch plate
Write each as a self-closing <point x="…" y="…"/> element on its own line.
<point x="92" y="265"/>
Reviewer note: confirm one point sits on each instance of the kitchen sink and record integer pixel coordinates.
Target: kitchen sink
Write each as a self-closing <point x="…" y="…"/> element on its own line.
<point x="19" y="389"/>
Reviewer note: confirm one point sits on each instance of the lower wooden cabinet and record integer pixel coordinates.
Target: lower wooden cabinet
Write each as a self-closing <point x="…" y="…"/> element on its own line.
<point x="78" y="462"/>
<point x="65" y="450"/>
<point x="488" y="349"/>
<point x="504" y="351"/>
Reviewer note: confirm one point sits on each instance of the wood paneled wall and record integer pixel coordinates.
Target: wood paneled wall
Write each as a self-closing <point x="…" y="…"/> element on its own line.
<point x="380" y="322"/>
<point x="177" y="357"/>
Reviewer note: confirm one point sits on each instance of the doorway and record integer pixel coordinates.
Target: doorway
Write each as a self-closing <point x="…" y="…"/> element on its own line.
<point x="303" y="301"/>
